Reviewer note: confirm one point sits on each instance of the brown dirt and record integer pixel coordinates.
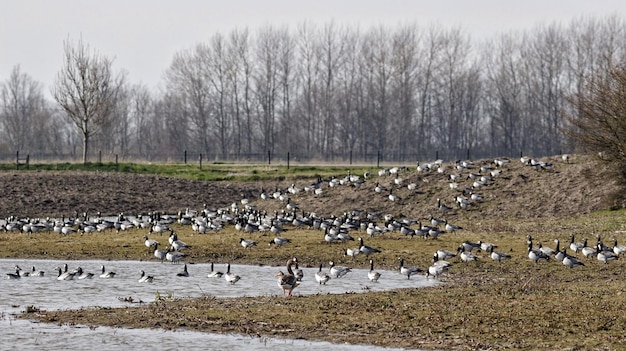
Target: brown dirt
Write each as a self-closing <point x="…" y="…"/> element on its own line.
<point x="580" y="186"/>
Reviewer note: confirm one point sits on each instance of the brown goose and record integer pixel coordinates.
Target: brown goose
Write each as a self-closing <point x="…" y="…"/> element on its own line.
<point x="287" y="281"/>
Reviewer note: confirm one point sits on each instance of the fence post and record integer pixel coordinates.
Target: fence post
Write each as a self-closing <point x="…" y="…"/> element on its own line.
<point x="100" y="156"/>
<point x="468" y="155"/>
<point x="27" y="161"/>
<point x="117" y="166"/>
<point x="200" y="161"/>
<point x="185" y="157"/>
<point x="287" y="160"/>
<point x="17" y="159"/>
<point x="437" y="155"/>
<point x="350" y="156"/>
<point x="269" y="157"/>
<point x="378" y="160"/>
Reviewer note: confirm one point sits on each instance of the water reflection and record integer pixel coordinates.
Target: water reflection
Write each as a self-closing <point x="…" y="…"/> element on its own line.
<point x="49" y="293"/>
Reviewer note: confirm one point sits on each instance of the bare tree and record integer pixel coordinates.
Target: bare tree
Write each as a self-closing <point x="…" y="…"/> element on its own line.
<point x="600" y="125"/>
<point x="86" y="89"/>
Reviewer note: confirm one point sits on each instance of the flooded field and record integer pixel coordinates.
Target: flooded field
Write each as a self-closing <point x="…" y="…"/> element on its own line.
<point x="49" y="293"/>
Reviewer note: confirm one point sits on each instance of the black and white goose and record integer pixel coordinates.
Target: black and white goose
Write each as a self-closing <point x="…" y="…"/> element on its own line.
<point x="367" y="250"/>
<point x="372" y="275"/>
<point x="569" y="260"/>
<point x="535" y="254"/>
<point x="338" y="271"/>
<point x="231" y="277"/>
<point x="498" y="256"/>
<point x="605" y="255"/>
<point x="214" y="274"/>
<point x="408" y="271"/>
<point x="144" y="278"/>
<point x="106" y="274"/>
<point x="184" y="273"/>
<point x="80" y="274"/>
<point x="247" y="243"/>
<point x="322" y="277"/>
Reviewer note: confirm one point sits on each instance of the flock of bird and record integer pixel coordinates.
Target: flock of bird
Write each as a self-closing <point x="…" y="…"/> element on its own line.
<point x="245" y="217"/>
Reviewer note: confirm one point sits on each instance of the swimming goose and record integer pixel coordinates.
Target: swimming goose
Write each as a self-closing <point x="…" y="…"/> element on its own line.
<point x="408" y="271"/>
<point x="144" y="278"/>
<point x="36" y="273"/>
<point x="372" y="274"/>
<point x="278" y="241"/>
<point x="17" y="275"/>
<point x="231" y="277"/>
<point x="322" y="277"/>
<point x="247" y="243"/>
<point x="21" y="272"/>
<point x="80" y="274"/>
<point x="618" y="249"/>
<point x="65" y="275"/>
<point x="106" y="274"/>
<point x="338" y="271"/>
<point x="214" y="274"/>
<point x="287" y="281"/>
<point x="497" y="256"/>
<point x="569" y="260"/>
<point x="184" y="273"/>
<point x="605" y="256"/>
<point x="367" y="250"/>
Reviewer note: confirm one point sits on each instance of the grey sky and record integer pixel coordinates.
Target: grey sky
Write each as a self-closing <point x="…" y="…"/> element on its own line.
<point x="143" y="35"/>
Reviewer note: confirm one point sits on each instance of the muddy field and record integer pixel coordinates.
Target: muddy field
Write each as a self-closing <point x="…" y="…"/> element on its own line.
<point x="579" y="186"/>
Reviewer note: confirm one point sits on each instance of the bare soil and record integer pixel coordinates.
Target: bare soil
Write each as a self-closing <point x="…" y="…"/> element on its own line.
<point x="579" y="186"/>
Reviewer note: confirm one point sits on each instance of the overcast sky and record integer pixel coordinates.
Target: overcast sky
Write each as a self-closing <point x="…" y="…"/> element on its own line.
<point x="143" y="35"/>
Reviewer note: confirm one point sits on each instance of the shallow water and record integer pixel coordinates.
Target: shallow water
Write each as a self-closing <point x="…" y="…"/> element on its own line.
<point x="48" y="293"/>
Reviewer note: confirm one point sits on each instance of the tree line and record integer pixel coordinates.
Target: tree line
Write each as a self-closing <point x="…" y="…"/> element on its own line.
<point x="314" y="91"/>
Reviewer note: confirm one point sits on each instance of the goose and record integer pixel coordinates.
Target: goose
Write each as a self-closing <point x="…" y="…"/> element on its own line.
<point x="466" y="256"/>
<point x="214" y="274"/>
<point x="330" y="237"/>
<point x="587" y="250"/>
<point x="576" y="247"/>
<point x="322" y="277"/>
<point x="451" y="227"/>
<point x="160" y="254"/>
<point x="106" y="274"/>
<point x="618" y="249"/>
<point x="558" y="254"/>
<point x="83" y="275"/>
<point x="469" y="246"/>
<point x="498" y="256"/>
<point x="174" y="256"/>
<point x="442" y="207"/>
<point x="367" y="250"/>
<point x="287" y="281"/>
<point x="17" y="275"/>
<point x="21" y="272"/>
<point x="278" y="241"/>
<point x="231" y="277"/>
<point x="184" y="273"/>
<point x="352" y="252"/>
<point x="408" y="271"/>
<point x="247" y="243"/>
<point x="444" y="254"/>
<point x="485" y="246"/>
<point x="298" y="272"/>
<point x="36" y="273"/>
<point x="65" y="275"/>
<point x="605" y="256"/>
<point x="177" y="244"/>
<point x="438" y="267"/>
<point x="535" y="254"/>
<point x="150" y="243"/>
<point x="546" y="250"/>
<point x="569" y="260"/>
<point x="338" y="271"/>
<point x="144" y="278"/>
<point x="392" y="197"/>
<point x="372" y="274"/>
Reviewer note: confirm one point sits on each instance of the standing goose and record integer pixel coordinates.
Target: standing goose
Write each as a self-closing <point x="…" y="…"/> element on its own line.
<point x="587" y="250"/>
<point x="160" y="254"/>
<point x="338" y="271"/>
<point x="438" y="267"/>
<point x="298" y="272"/>
<point x="574" y="246"/>
<point x="322" y="277"/>
<point x="287" y="281"/>
<point x="372" y="274"/>
<point x="367" y="250"/>
<point x="498" y="256"/>
<point x="617" y="249"/>
<point x="535" y="254"/>
<point x="247" y="243"/>
<point x="408" y="271"/>
<point x="214" y="274"/>
<point x="569" y="260"/>
<point x="150" y="243"/>
<point x="106" y="274"/>
<point x="605" y="256"/>
<point x="231" y="277"/>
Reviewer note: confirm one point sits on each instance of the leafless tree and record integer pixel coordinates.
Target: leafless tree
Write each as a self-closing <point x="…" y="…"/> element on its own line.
<point x="86" y="88"/>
